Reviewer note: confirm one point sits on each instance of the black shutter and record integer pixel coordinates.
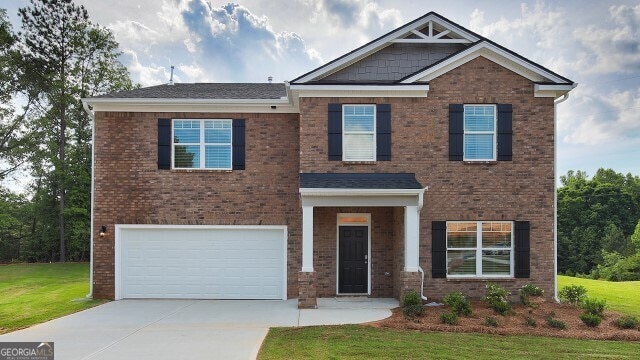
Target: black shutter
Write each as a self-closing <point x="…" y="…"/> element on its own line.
<point x="238" y="143"/>
<point x="456" y="131"/>
<point x="438" y="249"/>
<point x="164" y="143"/>
<point x="335" y="132"/>
<point x="383" y="132"/>
<point x="505" y="132"/>
<point x="522" y="249"/>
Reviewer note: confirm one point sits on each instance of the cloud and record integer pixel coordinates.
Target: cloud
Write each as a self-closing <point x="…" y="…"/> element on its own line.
<point x="364" y="15"/>
<point x="615" y="48"/>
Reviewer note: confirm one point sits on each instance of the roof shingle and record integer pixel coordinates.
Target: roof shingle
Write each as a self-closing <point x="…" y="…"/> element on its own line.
<point x="204" y="91"/>
<point x="359" y="181"/>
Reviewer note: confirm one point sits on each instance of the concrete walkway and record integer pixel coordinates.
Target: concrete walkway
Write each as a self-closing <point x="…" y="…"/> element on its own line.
<point x="187" y="329"/>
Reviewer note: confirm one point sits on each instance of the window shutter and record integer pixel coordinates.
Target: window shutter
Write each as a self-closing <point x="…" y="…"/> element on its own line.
<point x="522" y="249"/>
<point x="383" y="132"/>
<point x="238" y="143"/>
<point x="335" y="132"/>
<point x="164" y="144"/>
<point x="438" y="249"/>
<point x="456" y="132"/>
<point x="505" y="132"/>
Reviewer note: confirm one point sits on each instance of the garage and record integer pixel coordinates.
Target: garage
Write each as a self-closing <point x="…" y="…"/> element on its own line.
<point x="200" y="262"/>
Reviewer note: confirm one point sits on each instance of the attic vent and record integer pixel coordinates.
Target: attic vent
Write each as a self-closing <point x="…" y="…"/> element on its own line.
<point x="171" y="78"/>
<point x="270" y="79"/>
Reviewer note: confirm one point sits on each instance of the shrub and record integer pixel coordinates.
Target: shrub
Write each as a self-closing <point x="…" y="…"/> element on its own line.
<point x="573" y="294"/>
<point x="619" y="268"/>
<point x="450" y="318"/>
<point x="458" y="303"/>
<point x="594" y="306"/>
<point x="555" y="323"/>
<point x="529" y="321"/>
<point x="497" y="299"/>
<point x="528" y="291"/>
<point x="412" y="305"/>
<point x="490" y="321"/>
<point x="591" y="320"/>
<point x="627" y="322"/>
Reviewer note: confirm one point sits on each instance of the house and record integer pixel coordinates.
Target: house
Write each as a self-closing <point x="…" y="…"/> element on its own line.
<point x="423" y="160"/>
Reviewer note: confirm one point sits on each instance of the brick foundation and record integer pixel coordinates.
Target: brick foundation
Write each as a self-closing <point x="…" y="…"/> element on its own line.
<point x="410" y="281"/>
<point x="307" y="290"/>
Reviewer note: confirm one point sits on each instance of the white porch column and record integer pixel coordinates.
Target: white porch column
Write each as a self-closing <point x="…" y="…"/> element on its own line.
<point x="411" y="238"/>
<point x="307" y="238"/>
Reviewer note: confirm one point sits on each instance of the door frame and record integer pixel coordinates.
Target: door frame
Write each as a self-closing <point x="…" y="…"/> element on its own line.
<point x="346" y="222"/>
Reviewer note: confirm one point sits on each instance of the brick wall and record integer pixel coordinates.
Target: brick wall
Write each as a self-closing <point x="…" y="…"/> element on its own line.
<point x="518" y="190"/>
<point x="129" y="189"/>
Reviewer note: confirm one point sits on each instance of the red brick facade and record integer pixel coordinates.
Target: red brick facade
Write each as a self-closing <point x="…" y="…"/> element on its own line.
<point x="130" y="189"/>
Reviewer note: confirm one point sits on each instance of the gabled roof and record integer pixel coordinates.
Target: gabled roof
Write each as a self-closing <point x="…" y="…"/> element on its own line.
<point x="204" y="91"/>
<point x="433" y="28"/>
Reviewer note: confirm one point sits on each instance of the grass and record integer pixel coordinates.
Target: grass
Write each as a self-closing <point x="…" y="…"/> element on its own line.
<point x="620" y="296"/>
<point x="365" y="342"/>
<point x="34" y="293"/>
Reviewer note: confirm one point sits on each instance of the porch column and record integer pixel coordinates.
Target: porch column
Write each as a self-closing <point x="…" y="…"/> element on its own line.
<point x="411" y="238"/>
<point x="307" y="239"/>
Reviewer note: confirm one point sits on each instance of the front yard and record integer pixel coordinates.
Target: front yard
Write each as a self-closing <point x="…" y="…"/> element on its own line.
<point x="621" y="296"/>
<point x="34" y="293"/>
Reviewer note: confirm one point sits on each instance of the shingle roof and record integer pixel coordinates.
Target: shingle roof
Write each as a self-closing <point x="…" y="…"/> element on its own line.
<point x="359" y="181"/>
<point x="205" y="91"/>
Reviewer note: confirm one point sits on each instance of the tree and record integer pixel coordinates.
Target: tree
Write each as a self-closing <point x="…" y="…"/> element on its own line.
<point x="66" y="58"/>
<point x="635" y="238"/>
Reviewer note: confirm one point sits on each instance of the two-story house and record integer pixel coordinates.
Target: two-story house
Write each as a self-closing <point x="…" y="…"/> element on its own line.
<point x="423" y="160"/>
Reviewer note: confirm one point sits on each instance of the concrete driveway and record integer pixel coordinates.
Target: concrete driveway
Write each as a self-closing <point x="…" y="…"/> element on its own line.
<point x="187" y="329"/>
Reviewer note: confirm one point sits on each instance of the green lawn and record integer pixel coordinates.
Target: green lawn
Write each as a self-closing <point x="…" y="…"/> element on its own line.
<point x="365" y="342"/>
<point x="34" y="293"/>
<point x="621" y="296"/>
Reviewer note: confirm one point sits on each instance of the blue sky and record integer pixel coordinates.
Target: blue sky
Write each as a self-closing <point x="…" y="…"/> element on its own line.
<point x="594" y="43"/>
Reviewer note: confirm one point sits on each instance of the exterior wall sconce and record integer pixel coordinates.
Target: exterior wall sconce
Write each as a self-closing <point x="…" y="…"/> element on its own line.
<point x="103" y="230"/>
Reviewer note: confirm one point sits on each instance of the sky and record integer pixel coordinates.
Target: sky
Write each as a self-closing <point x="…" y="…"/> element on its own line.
<point x="593" y="43"/>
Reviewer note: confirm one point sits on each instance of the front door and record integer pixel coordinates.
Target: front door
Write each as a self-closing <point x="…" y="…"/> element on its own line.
<point x="353" y="262"/>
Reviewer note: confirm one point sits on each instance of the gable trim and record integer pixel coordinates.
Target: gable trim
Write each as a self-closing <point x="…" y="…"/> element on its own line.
<point x="383" y="41"/>
<point x="339" y="90"/>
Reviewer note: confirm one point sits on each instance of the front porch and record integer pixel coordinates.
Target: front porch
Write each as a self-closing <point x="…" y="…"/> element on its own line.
<point x="361" y="239"/>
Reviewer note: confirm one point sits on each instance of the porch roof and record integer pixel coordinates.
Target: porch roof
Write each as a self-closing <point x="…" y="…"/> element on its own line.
<point x="382" y="181"/>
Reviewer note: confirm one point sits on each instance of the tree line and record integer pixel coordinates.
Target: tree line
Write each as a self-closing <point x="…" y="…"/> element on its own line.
<point x="56" y="58"/>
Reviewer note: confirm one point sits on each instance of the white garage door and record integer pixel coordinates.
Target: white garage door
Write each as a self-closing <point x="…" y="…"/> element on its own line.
<point x="201" y="262"/>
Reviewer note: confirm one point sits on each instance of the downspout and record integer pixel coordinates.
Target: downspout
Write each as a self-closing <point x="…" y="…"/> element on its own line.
<point x="555" y="195"/>
<point x="93" y="141"/>
<point x="420" y="203"/>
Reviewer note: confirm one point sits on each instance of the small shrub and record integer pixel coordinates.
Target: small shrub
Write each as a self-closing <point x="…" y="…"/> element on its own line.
<point x="458" y="303"/>
<point x="627" y="322"/>
<point x="490" y="321"/>
<point x="528" y="291"/>
<point x="573" y="294"/>
<point x="591" y="320"/>
<point x="529" y="321"/>
<point x="594" y="306"/>
<point x="411" y="298"/>
<point x="555" y="323"/>
<point x="497" y="299"/>
<point x="412" y="311"/>
<point x="450" y="318"/>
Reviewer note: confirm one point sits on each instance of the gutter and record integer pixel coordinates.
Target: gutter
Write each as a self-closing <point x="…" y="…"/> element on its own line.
<point x="555" y="194"/>
<point x="91" y="114"/>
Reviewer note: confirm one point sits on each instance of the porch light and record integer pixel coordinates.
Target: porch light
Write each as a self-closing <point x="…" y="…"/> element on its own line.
<point x="103" y="230"/>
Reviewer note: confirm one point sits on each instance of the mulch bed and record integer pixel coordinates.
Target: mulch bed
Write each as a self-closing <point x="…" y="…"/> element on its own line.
<point x="514" y="324"/>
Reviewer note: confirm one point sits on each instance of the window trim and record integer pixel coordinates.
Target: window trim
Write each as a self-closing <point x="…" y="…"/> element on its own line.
<point x="478" y="249"/>
<point x="374" y="133"/>
<point x="494" y="133"/>
<point x="202" y="144"/>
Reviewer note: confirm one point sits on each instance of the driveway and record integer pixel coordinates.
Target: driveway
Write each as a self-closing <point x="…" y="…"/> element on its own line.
<point x="186" y="329"/>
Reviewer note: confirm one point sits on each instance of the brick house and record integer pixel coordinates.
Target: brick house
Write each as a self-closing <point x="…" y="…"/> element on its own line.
<point x="423" y="160"/>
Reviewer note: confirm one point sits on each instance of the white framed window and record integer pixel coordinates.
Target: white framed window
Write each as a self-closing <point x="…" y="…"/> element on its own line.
<point x="479" y="249"/>
<point x="480" y="141"/>
<point x="358" y="132"/>
<point x="201" y="144"/>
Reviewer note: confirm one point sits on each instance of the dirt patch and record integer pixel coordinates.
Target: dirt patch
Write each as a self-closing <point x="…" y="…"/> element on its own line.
<point x="514" y="323"/>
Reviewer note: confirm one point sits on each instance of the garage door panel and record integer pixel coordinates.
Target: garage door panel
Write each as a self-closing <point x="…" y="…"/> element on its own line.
<point x="202" y="263"/>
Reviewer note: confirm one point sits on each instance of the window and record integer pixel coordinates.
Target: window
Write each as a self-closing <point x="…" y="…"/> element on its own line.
<point x="477" y="249"/>
<point x="359" y="133"/>
<point x="479" y="132"/>
<point x="202" y="144"/>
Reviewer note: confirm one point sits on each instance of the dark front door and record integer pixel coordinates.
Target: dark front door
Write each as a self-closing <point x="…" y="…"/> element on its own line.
<point x="353" y="251"/>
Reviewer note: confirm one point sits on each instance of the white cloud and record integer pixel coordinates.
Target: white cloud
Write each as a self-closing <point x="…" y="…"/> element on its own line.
<point x="146" y="75"/>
